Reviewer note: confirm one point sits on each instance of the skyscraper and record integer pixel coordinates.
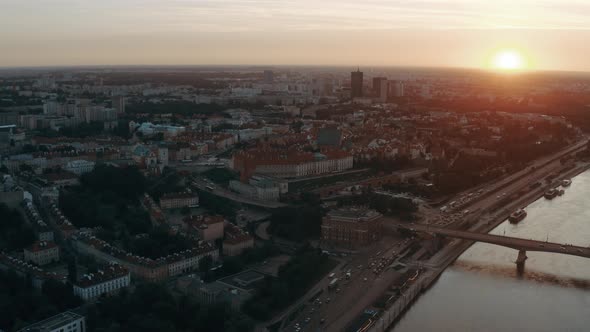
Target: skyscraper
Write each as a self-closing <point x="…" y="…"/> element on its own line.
<point x="399" y="89"/>
<point x="380" y="88"/>
<point x="356" y="84"/>
<point x="269" y="76"/>
<point x="119" y="104"/>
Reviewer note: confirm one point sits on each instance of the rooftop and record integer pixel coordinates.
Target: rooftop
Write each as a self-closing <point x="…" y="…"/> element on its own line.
<point x="178" y="195"/>
<point x="245" y="280"/>
<point x="41" y="245"/>
<point x="235" y="235"/>
<point x="53" y="323"/>
<point x="203" y="221"/>
<point x="114" y="271"/>
<point x="353" y="214"/>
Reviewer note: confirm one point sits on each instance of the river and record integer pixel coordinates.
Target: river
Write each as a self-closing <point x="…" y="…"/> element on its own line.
<point x="481" y="291"/>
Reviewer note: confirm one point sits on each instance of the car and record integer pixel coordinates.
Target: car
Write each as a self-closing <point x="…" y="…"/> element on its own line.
<point x="337" y="290"/>
<point x="365" y="279"/>
<point x="322" y="321"/>
<point x="328" y="300"/>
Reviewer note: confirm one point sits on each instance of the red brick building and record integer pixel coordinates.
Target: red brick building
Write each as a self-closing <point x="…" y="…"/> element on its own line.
<point x="351" y="227"/>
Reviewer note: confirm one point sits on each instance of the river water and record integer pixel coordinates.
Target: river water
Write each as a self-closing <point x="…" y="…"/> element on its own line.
<point x="482" y="292"/>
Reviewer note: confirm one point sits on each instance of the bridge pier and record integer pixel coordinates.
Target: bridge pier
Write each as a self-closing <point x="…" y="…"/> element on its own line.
<point x="520" y="261"/>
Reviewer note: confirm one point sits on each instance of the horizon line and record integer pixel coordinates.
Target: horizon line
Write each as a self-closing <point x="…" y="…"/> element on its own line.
<point x="105" y="66"/>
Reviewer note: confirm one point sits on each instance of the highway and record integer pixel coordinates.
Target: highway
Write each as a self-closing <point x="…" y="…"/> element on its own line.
<point x="482" y="207"/>
<point x="364" y="287"/>
<point x="512" y="184"/>
<point x="506" y="241"/>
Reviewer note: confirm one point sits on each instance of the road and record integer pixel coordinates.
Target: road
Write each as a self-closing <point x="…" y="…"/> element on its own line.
<point x="512" y="184"/>
<point x="482" y="208"/>
<point x="320" y="286"/>
<point x="338" y="306"/>
<point x="358" y="293"/>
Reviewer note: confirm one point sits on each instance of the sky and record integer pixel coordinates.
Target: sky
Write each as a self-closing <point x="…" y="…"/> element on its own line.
<point x="551" y="34"/>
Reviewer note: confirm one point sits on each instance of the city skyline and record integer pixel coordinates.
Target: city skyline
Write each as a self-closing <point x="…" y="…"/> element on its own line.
<point x="550" y="34"/>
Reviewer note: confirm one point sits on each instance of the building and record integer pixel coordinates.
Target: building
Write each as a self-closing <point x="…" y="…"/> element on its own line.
<point x="107" y="281"/>
<point x="80" y="167"/>
<point x="188" y="260"/>
<point x="329" y="136"/>
<point x="24" y="269"/>
<point x="43" y="231"/>
<point x="42" y="253"/>
<point x="65" y="322"/>
<point x="218" y="292"/>
<point x="152" y="270"/>
<point x="289" y="163"/>
<point x="398" y="89"/>
<point x="119" y="104"/>
<point x="351" y="227"/>
<point x="179" y="200"/>
<point x="383" y="91"/>
<point x="356" y="84"/>
<point x="209" y="228"/>
<point x="268" y="76"/>
<point x="380" y="88"/>
<point x="263" y="190"/>
<point x="236" y="240"/>
<point x="247" y="280"/>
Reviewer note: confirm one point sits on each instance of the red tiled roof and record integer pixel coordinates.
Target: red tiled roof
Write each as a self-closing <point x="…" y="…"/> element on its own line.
<point x="41" y="245"/>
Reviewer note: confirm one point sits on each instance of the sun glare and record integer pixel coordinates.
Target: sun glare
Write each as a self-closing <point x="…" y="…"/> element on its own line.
<point x="509" y="60"/>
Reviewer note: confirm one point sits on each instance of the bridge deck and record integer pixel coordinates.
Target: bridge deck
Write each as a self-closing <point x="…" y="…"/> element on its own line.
<point x="506" y="241"/>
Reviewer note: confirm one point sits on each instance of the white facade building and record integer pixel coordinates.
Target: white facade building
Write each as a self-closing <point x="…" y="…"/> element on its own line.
<point x="188" y="260"/>
<point x="42" y="253"/>
<point x="65" y="322"/>
<point x="80" y="167"/>
<point x="107" y="281"/>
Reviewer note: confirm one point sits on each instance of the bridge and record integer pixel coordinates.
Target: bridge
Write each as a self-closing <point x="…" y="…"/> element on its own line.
<point x="522" y="245"/>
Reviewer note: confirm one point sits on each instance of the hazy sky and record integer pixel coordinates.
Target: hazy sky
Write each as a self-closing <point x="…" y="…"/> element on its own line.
<point x="554" y="34"/>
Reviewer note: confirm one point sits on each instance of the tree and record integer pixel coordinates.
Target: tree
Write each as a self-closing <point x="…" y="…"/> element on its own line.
<point x="205" y="263"/>
<point x="185" y="211"/>
<point x="25" y="168"/>
<point x="72" y="270"/>
<point x="60" y="294"/>
<point x="15" y="234"/>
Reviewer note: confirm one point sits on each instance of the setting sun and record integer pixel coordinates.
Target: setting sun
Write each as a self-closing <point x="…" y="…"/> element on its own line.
<point x="509" y="60"/>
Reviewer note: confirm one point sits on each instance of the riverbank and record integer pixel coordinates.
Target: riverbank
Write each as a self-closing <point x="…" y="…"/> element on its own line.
<point x="450" y="253"/>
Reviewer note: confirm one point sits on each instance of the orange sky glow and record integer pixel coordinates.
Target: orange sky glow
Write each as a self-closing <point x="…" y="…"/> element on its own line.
<point x="546" y="34"/>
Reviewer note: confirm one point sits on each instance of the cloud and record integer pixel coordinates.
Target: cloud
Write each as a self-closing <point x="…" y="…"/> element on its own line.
<point x="286" y="31"/>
